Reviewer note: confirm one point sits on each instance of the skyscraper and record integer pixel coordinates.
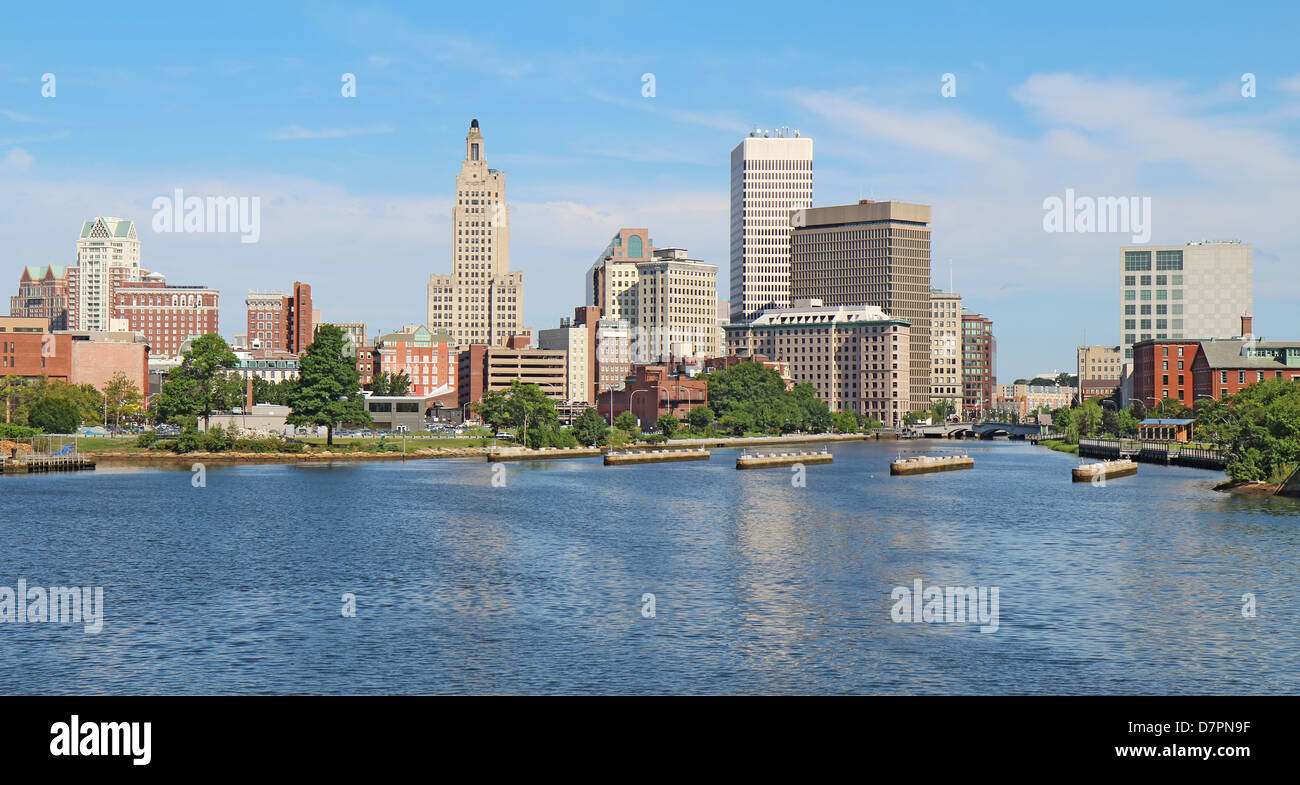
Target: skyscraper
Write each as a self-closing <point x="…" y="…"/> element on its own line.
<point x="870" y="253"/>
<point x="108" y="252"/>
<point x="668" y="300"/>
<point x="481" y="301"/>
<point x="1198" y="290"/>
<point x="771" y="176"/>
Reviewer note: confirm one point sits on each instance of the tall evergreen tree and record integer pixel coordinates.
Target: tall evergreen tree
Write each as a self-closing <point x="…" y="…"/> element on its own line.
<point x="328" y="391"/>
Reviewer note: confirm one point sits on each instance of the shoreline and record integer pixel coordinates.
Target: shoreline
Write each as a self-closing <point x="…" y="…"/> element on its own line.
<point x="453" y="452"/>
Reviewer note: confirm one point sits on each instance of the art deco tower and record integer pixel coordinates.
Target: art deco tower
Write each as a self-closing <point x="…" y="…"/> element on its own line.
<point x="482" y="301"/>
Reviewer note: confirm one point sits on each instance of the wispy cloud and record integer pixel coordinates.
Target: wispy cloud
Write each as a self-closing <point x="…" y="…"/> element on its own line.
<point x="295" y="132"/>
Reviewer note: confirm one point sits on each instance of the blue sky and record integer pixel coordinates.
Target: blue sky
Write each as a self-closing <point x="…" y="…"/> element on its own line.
<point x="244" y="99"/>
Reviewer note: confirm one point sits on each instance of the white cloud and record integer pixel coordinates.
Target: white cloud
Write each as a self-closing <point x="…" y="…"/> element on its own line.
<point x="16" y="161"/>
<point x="295" y="132"/>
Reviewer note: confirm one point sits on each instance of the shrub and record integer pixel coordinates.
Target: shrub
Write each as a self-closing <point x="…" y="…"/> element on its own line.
<point x="218" y="439"/>
<point x="146" y="439"/>
<point x="188" y="441"/>
<point x="655" y="438"/>
<point x="163" y="444"/>
<point x="8" y="431"/>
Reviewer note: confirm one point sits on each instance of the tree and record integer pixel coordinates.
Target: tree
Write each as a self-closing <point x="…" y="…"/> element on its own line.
<point x="845" y="422"/>
<point x="122" y="396"/>
<point x="54" y="414"/>
<point x="741" y="384"/>
<point x="521" y="406"/>
<point x="11" y="386"/>
<point x="199" y="385"/>
<point x="379" y="385"/>
<point x="667" y="425"/>
<point x="590" y="428"/>
<point x="940" y="410"/>
<point x="912" y="418"/>
<point x="700" y="418"/>
<point x="626" y="421"/>
<point x="328" y="391"/>
<point x="1258" y="429"/>
<point x="1110" y="422"/>
<point x="399" y="383"/>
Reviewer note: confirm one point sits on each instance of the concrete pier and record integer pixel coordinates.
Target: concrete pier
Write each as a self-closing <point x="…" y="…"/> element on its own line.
<point x="768" y="460"/>
<point x="541" y="454"/>
<point x="655" y="456"/>
<point x="925" y="464"/>
<point x="1090" y="472"/>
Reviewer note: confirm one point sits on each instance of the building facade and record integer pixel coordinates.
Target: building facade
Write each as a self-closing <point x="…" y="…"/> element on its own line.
<point x="356" y="331"/>
<point x="668" y="299"/>
<point x="653" y="391"/>
<point x="578" y="342"/>
<point x="280" y="322"/>
<point x="857" y="357"/>
<point x="481" y="301"/>
<point x="42" y="294"/>
<point x="429" y="358"/>
<point x="1172" y="292"/>
<point x="483" y="368"/>
<point x="870" y="253"/>
<point x="946" y="349"/>
<point x="108" y="253"/>
<point x="771" y="178"/>
<point x="167" y="315"/>
<point x="1099" y="369"/>
<point x="29" y="350"/>
<point x="979" y="363"/>
<point x="1025" y="399"/>
<point x="1190" y="370"/>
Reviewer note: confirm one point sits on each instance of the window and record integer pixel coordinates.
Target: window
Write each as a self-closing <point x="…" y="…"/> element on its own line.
<point x="1168" y="260"/>
<point x="1138" y="261"/>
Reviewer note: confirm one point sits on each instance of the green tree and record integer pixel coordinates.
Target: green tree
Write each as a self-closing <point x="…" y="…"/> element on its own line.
<point x="1258" y="429"/>
<point x="199" y="385"/>
<point x="845" y="422"/>
<point x="122" y="396"/>
<point x="11" y="388"/>
<point x="590" y="428"/>
<point x="379" y="385"/>
<point x="521" y="407"/>
<point x="55" y="414"/>
<point x="742" y="384"/>
<point x="328" y="391"/>
<point x="626" y="422"/>
<point x="700" y="418"/>
<point x="667" y="425"/>
<point x="399" y="383"/>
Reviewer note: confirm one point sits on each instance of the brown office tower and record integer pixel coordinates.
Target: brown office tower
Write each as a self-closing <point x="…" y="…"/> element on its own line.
<point x="870" y="253"/>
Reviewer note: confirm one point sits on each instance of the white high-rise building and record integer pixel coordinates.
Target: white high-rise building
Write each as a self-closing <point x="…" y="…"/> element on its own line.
<point x="771" y="176"/>
<point x="1198" y="290"/>
<point x="945" y="348"/>
<point x="482" y="301"/>
<point x="108" y="253"/>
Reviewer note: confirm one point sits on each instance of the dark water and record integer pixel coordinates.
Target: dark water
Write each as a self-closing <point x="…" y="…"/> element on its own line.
<point x="759" y="586"/>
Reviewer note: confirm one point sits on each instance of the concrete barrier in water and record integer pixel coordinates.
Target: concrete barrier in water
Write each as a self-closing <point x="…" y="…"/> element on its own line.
<point x="925" y="464"/>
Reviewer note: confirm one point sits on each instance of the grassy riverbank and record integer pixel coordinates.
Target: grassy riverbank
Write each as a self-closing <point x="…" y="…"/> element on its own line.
<point x="1059" y="446"/>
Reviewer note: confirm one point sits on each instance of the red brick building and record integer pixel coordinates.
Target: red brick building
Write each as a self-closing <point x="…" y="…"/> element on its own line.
<point x="29" y="350"/>
<point x="429" y="359"/>
<point x="652" y="391"/>
<point x="42" y="294"/>
<point x="167" y="315"/>
<point x="978" y="362"/>
<point x="281" y="322"/>
<point x="1188" y="370"/>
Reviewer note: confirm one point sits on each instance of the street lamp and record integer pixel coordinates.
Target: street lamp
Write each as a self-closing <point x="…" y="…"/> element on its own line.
<point x="630" y="407"/>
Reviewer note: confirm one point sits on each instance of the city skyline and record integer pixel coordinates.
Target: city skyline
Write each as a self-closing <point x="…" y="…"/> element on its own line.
<point x="347" y="181"/>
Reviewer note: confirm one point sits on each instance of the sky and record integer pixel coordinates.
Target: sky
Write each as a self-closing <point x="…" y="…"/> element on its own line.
<point x="245" y="100"/>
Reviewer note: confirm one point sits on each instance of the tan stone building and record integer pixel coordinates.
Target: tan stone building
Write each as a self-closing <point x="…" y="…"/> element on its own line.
<point x="481" y="301"/>
<point x="668" y="300"/>
<point x="870" y="253"/>
<point x="857" y="357"/>
<point x="1099" y="369"/>
<point x="945" y="348"/>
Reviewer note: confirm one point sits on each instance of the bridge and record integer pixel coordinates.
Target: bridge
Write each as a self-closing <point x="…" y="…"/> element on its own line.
<point x="967" y="430"/>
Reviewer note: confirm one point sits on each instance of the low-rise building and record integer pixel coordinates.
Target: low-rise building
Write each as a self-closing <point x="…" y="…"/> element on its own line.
<point x="483" y="368"/>
<point x="653" y="391"/>
<point x="856" y="357"/>
<point x="1099" y="369"/>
